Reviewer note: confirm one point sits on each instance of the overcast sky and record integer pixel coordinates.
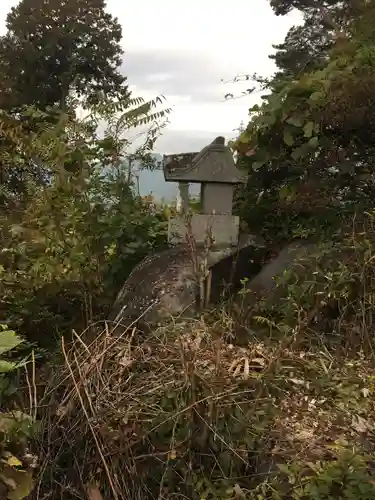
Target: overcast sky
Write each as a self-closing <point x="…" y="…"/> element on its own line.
<point x="184" y="50"/>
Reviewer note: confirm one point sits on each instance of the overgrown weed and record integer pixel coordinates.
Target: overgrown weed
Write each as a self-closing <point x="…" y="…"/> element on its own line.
<point x="287" y="413"/>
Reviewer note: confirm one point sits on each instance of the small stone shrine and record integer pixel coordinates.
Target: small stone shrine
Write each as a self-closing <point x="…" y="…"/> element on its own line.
<point x="165" y="284"/>
<point x="214" y="168"/>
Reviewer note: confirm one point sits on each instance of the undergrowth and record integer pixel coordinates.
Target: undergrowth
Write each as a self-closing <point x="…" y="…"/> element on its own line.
<point x="187" y="414"/>
<point x="199" y="418"/>
<point x="17" y="464"/>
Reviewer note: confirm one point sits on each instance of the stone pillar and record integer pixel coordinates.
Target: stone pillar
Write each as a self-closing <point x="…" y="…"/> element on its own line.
<point x="184" y="195"/>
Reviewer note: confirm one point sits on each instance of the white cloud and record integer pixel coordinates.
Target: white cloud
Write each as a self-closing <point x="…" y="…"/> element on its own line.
<point x="234" y="37"/>
<point x="197" y="43"/>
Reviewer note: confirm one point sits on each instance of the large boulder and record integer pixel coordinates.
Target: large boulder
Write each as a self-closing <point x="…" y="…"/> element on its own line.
<point x="164" y="284"/>
<point x="265" y="285"/>
<point x="266" y="280"/>
<point x="229" y="271"/>
<point x="161" y="285"/>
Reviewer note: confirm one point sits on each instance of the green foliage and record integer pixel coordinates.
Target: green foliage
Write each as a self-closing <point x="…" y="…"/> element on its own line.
<point x="77" y="237"/>
<point x="16" y="478"/>
<point x="72" y="226"/>
<point x="309" y="146"/>
<point x="8" y="341"/>
<point x="16" y="462"/>
<point x="12" y="357"/>
<point x="54" y="49"/>
<point x="285" y="417"/>
<point x="76" y="248"/>
<point x="328" y="288"/>
<point x="307" y="46"/>
<point x="15" y="429"/>
<point x="346" y="478"/>
<point x="288" y="416"/>
<point x="321" y="316"/>
<point x="68" y="242"/>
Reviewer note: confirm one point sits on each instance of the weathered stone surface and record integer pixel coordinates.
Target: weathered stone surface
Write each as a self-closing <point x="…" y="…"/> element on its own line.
<point x="176" y="163"/>
<point x="224" y="229"/>
<point x="246" y="242"/>
<point x="217" y="198"/>
<point x="164" y="284"/>
<point x="244" y="262"/>
<point x="215" y="169"/>
<point x="160" y="286"/>
<point x="264" y="284"/>
<point x="214" y="163"/>
<point x="266" y="280"/>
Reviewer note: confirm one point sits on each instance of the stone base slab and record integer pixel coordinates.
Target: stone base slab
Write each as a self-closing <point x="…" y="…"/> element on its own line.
<point x="224" y="229"/>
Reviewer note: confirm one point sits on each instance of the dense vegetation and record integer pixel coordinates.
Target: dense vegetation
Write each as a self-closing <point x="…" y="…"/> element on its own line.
<point x="72" y="227"/>
<point x="313" y="134"/>
<point x="273" y="400"/>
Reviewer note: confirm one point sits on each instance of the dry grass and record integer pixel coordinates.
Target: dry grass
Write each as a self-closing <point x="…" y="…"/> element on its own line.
<point x="194" y="416"/>
<point x="186" y="414"/>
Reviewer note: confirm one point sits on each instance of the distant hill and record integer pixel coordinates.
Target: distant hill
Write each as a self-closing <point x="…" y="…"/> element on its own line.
<point x="154" y="183"/>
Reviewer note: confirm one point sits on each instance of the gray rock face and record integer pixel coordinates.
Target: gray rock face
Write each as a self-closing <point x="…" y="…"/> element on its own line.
<point x="264" y="284"/>
<point x="265" y="280"/>
<point x="243" y="263"/>
<point x="160" y="286"/>
<point x="164" y="284"/>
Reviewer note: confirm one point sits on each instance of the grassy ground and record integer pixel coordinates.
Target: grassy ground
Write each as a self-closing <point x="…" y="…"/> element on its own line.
<point x="190" y="414"/>
<point x="200" y="418"/>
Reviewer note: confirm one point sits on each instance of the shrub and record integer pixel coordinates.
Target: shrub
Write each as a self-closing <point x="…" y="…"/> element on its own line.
<point x="16" y="427"/>
<point x="72" y="242"/>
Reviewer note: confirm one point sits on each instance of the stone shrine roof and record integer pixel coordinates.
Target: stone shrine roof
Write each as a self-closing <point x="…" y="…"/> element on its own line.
<point x="214" y="164"/>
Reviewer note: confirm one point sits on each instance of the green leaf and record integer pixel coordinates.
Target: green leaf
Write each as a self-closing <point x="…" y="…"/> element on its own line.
<point x="313" y="142"/>
<point x="288" y="138"/>
<point x="24" y="485"/>
<point x="275" y="101"/>
<point x="299" y="91"/>
<point x="266" y="121"/>
<point x="296" y="121"/>
<point x="316" y="96"/>
<point x="286" y="192"/>
<point x="258" y="164"/>
<point x="284" y="468"/>
<point x="7" y="366"/>
<point x="254" y="108"/>
<point x="244" y="137"/>
<point x="13" y="461"/>
<point x="308" y="129"/>
<point x="298" y="153"/>
<point x="9" y="340"/>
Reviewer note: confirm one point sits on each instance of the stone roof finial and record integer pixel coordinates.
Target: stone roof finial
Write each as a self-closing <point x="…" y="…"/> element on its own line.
<point x="219" y="140"/>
